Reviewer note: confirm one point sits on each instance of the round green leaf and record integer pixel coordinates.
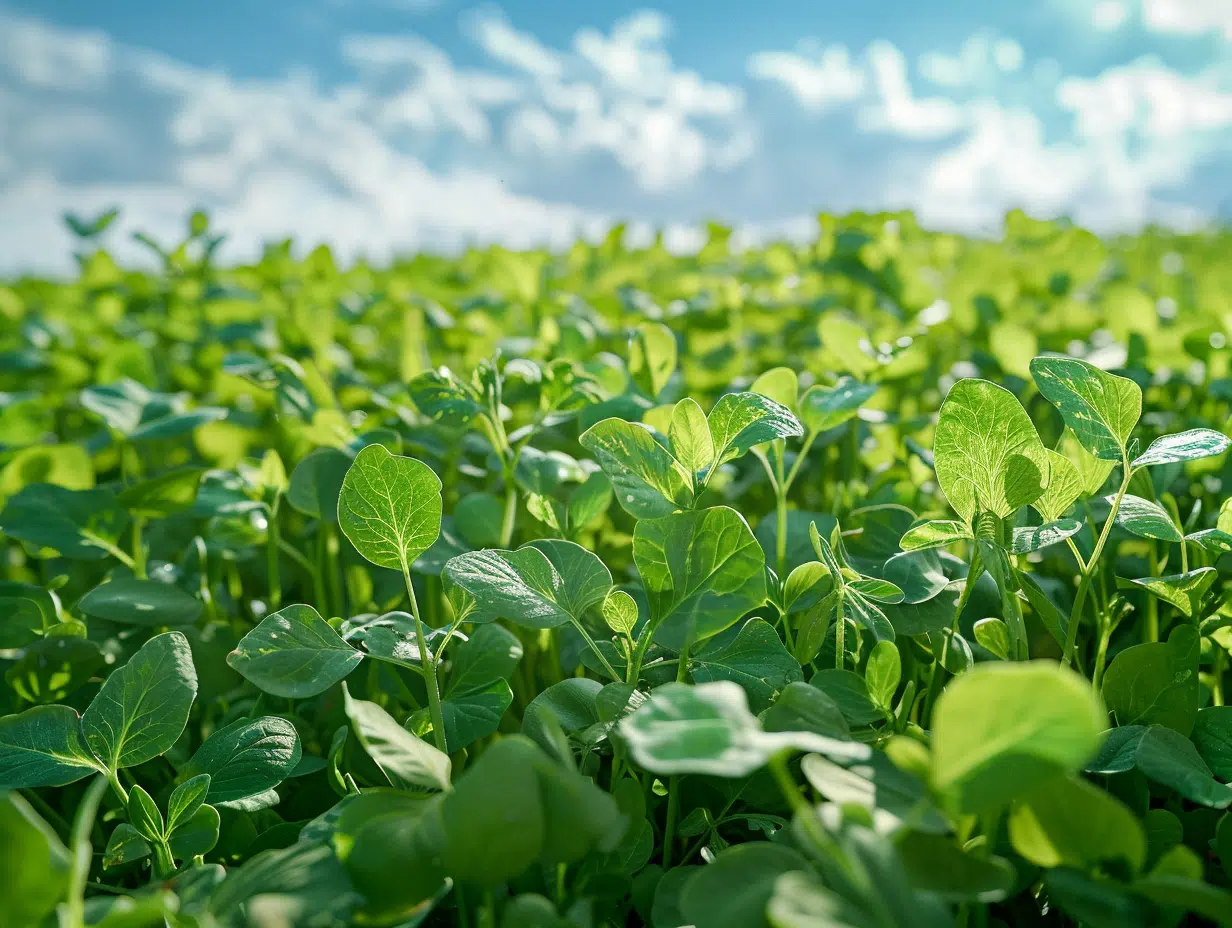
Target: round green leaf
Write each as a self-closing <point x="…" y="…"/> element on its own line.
<point x="987" y="454"/>
<point x="1101" y="409"/>
<point x="1002" y="728"/>
<point x="294" y="653"/>
<point x="43" y="746"/>
<point x="246" y="758"/>
<point x="131" y="601"/>
<point x="390" y="507"/>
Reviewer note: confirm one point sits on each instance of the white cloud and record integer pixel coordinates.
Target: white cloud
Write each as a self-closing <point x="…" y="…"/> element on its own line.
<point x="276" y="157"/>
<point x="493" y="32"/>
<point x="620" y="94"/>
<point x="417" y="150"/>
<point x="633" y="60"/>
<point x="981" y="59"/>
<point x="77" y="61"/>
<point x="1007" y="55"/>
<point x="1138" y="131"/>
<point x="438" y="95"/>
<point x="1188" y="17"/>
<point x="1148" y="98"/>
<point x="1109" y="15"/>
<point x="818" y="83"/>
<point x="1003" y="162"/>
<point x="897" y="110"/>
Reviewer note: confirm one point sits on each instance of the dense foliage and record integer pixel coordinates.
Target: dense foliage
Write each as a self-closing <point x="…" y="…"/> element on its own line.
<point x="877" y="581"/>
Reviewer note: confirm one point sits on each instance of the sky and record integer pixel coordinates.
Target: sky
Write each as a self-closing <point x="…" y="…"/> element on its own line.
<point x="385" y="127"/>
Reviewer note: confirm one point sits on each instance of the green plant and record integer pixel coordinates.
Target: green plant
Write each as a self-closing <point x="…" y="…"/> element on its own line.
<point x="821" y="584"/>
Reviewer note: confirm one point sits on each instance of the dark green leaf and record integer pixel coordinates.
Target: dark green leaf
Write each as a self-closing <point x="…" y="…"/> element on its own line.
<point x="143" y="706"/>
<point x="131" y="601"/>
<point x="702" y="572"/>
<point x="294" y="653"/>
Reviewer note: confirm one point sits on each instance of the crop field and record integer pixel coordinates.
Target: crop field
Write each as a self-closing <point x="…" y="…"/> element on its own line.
<point x="874" y="581"/>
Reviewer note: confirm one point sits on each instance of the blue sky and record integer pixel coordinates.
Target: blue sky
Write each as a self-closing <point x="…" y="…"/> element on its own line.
<point x="389" y="125"/>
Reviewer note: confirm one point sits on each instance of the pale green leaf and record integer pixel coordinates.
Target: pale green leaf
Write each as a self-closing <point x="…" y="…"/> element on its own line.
<point x="1067" y="822"/>
<point x="709" y="729"/>
<point x="1032" y="538"/>
<point x="408" y="761"/>
<point x="823" y="408"/>
<point x="779" y="384"/>
<point x="652" y="357"/>
<point x="390" y="507"/>
<point x="987" y="454"/>
<point x="1145" y="518"/>
<point x="690" y="436"/>
<point x="646" y="480"/>
<point x="739" y="421"/>
<point x="1064" y="487"/>
<point x="1004" y="727"/>
<point x="936" y="533"/>
<point x="1100" y="408"/>
<point x="1184" y="591"/>
<point x="702" y="572"/>
<point x="1182" y="446"/>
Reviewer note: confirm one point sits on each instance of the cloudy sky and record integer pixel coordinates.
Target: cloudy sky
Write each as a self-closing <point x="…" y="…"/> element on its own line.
<point x="389" y="125"/>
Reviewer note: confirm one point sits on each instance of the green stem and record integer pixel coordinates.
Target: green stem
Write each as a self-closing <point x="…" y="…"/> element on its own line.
<point x="780" y="506"/>
<point x="273" y="541"/>
<point x="639" y="652"/>
<point x="1152" y="604"/>
<point x="1217" y="676"/>
<point x="1084" y="585"/>
<point x="428" y="662"/>
<point x="840" y="630"/>
<point x="787" y="636"/>
<point x="673" y="783"/>
<point x="510" y="514"/>
<point x="795" y="466"/>
<point x="113" y="778"/>
<point x="595" y="648"/>
<point x="804" y="812"/>
<point x="54" y="818"/>
<point x="337" y="582"/>
<point x="118" y="553"/>
<point x="1105" y="636"/>
<point x="74" y="906"/>
<point x="934" y="679"/>
<point x="138" y="547"/>
<point x="1015" y="621"/>
<point x="297" y="556"/>
<point x="164" y="866"/>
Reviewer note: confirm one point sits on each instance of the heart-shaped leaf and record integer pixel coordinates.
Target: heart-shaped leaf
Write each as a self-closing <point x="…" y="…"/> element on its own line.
<point x="390" y="507"/>
<point x="646" y="480"/>
<point x="702" y="572"/>
<point x="987" y="453"/>
<point x="1101" y="409"/>
<point x="142" y="707"/>
<point x="294" y="653"/>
